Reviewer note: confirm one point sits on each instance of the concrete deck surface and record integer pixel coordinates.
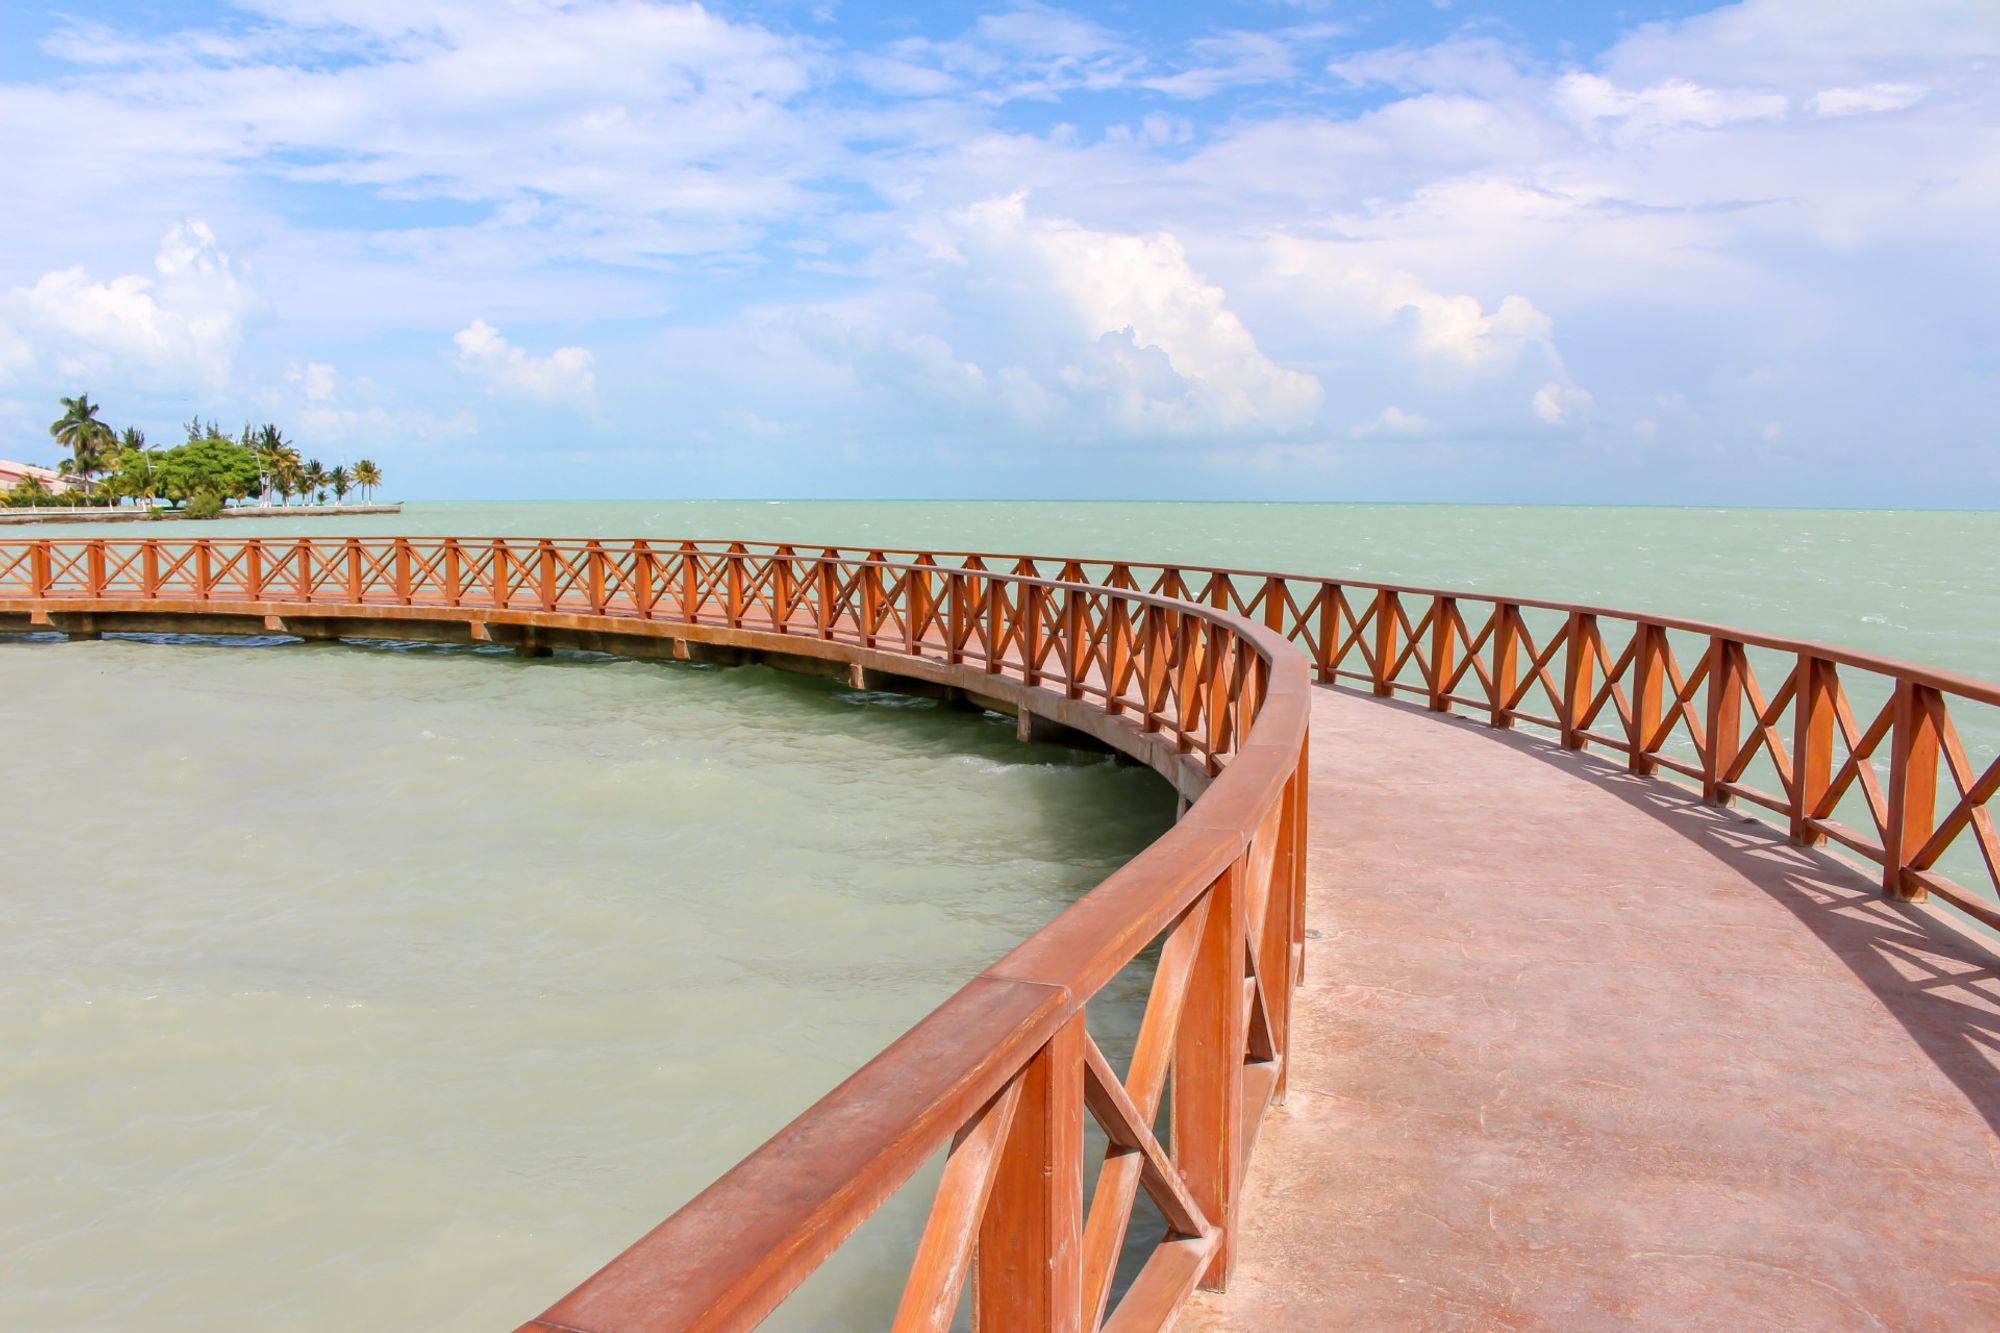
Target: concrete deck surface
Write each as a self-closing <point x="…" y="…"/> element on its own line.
<point x="1575" y="1051"/>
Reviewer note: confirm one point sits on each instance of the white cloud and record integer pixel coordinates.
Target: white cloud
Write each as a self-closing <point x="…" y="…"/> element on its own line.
<point x="1452" y="329"/>
<point x="184" y="322"/>
<point x="1593" y="100"/>
<point x="1559" y="404"/>
<point x="1873" y="97"/>
<point x="1393" y="422"/>
<point x="318" y="379"/>
<point x="1141" y="332"/>
<point x="563" y="376"/>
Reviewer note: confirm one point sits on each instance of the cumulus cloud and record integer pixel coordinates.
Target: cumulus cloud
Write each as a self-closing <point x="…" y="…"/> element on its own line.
<point x="1142" y="334"/>
<point x="1452" y="329"/>
<point x="184" y="321"/>
<point x="1872" y="97"/>
<point x="563" y="376"/>
<point x="1393" y="422"/>
<point x="1560" y="404"/>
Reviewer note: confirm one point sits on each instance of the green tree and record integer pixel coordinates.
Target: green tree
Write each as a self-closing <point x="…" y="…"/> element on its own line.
<point x="88" y="439"/>
<point x="136" y="473"/>
<point x="315" y="481"/>
<point x="341" y="482"/>
<point x="214" y="465"/>
<point x="367" y="476"/>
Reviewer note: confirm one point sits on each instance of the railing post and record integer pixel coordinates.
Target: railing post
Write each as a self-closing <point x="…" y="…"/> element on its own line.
<point x="594" y="563"/>
<point x="1913" y="775"/>
<point x="827" y="578"/>
<point x="1031" y="631"/>
<point x="1812" y="745"/>
<point x="1118" y="652"/>
<point x="1444" y="651"/>
<point x="1329" y="630"/>
<point x="1208" y="1071"/>
<point x="645" y="568"/>
<point x="353" y="569"/>
<point x="203" y="566"/>
<point x="916" y="603"/>
<point x="1387" y="605"/>
<point x="403" y="593"/>
<point x="95" y="566"/>
<point x="149" y="569"/>
<point x="955" y="617"/>
<point x="1274" y="604"/>
<point x="1579" y="676"/>
<point x="454" y="573"/>
<point x="1029" y="1261"/>
<point x="782" y="590"/>
<point x="690" y="582"/>
<point x="253" y="568"/>
<point x="735" y="556"/>
<point x="1725" y="717"/>
<point x="503" y="579"/>
<point x="871" y="601"/>
<point x="1073" y="653"/>
<point x="1506" y="663"/>
<point x="1649" y="687"/>
<point x="38" y="569"/>
<point x="996" y="611"/>
<point x="545" y="560"/>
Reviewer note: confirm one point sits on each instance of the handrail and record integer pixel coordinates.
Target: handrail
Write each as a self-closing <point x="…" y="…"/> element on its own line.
<point x="1872" y="786"/>
<point x="1000" y="1075"/>
<point x="1848" y="747"/>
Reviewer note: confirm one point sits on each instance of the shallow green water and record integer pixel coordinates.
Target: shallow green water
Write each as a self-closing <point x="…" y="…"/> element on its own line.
<point x="349" y="986"/>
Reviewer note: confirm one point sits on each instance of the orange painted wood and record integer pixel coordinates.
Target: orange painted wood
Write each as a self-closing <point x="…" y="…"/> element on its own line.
<point x="1388" y="610"/>
<point x="1725" y="717"/>
<point x="1230" y="696"/>
<point x="1028" y="1269"/>
<point x="1208" y="1071"/>
<point x="1914" y="749"/>
<point x="944" y="1252"/>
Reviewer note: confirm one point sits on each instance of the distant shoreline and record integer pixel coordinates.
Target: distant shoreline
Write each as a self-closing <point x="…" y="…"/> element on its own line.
<point x="23" y="516"/>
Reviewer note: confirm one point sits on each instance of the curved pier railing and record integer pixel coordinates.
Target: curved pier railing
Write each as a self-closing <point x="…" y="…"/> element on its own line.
<point x="1838" y="745"/>
<point x="1185" y="667"/>
<point x="1000" y="1076"/>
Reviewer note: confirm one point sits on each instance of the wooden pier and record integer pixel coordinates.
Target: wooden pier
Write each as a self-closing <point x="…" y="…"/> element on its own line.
<point x="1527" y="1030"/>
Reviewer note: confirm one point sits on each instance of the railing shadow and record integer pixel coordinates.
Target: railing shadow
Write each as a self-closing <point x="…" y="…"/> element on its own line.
<point x="1941" y="982"/>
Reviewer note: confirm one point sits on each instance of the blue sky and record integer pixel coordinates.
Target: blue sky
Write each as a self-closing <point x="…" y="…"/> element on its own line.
<point x="1248" y="249"/>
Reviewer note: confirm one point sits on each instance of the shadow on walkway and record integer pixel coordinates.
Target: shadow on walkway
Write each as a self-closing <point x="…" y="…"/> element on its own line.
<point x="1939" y="979"/>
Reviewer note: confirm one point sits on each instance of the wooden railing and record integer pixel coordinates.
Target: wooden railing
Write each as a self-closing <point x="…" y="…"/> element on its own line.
<point x="1834" y="744"/>
<point x="1000" y="1077"/>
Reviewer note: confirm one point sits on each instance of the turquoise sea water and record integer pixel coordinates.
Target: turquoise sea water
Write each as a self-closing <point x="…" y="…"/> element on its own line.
<point x="378" y="985"/>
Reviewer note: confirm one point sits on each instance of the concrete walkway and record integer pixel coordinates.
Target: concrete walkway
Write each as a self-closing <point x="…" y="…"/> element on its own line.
<point x="1576" y="1051"/>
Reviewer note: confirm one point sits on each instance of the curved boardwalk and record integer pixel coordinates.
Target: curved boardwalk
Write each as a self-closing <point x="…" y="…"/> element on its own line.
<point x="1575" y="1050"/>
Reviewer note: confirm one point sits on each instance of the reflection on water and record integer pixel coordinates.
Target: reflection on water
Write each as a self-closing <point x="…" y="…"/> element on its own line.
<point x="345" y="985"/>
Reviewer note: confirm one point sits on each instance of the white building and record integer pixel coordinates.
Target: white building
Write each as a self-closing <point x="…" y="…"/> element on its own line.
<point x="12" y="473"/>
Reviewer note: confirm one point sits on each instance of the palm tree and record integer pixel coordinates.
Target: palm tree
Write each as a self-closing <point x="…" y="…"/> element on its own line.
<point x="88" y="439"/>
<point x="315" y="480"/>
<point x="290" y="476"/>
<point x="341" y="482"/>
<point x="367" y="476"/>
<point x="273" y="451"/>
